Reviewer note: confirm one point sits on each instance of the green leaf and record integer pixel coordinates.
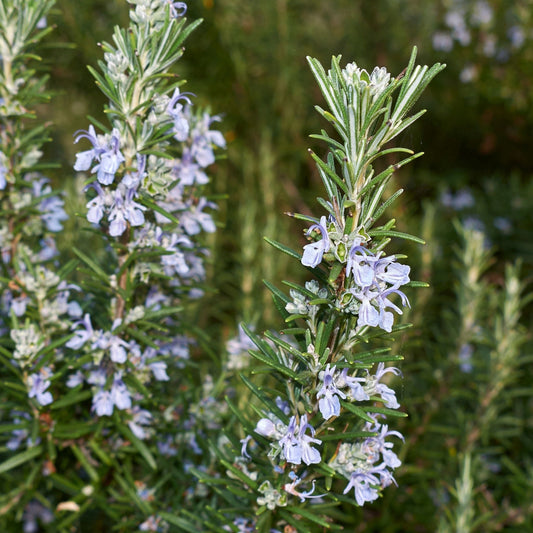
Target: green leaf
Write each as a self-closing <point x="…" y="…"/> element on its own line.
<point x="162" y="313"/>
<point x="265" y="348"/>
<point x="348" y="435"/>
<point x="327" y="172"/>
<point x="327" y="139"/>
<point x="178" y="521"/>
<point x="421" y="284"/>
<point x="317" y="519"/>
<point x="286" y="346"/>
<point x="85" y="463"/>
<point x="240" y="474"/>
<point x="381" y="209"/>
<point x="325" y="86"/>
<point x="75" y="396"/>
<point x="147" y="202"/>
<point x="73" y="430"/>
<point x="385" y="411"/>
<point x="139" y="445"/>
<point x="132" y="494"/>
<point x="105" y="85"/>
<point x="370" y="360"/>
<point x="324" y="334"/>
<point x="361" y="413"/>
<point x="293" y="521"/>
<point x="246" y="424"/>
<point x="92" y="265"/>
<point x="50" y="351"/>
<point x="300" y="289"/>
<point x="266" y="400"/>
<point x="276" y="292"/>
<point x="102" y="455"/>
<point x="20" y="459"/>
<point x="399" y="234"/>
<point x="282" y="369"/>
<point x="283" y="248"/>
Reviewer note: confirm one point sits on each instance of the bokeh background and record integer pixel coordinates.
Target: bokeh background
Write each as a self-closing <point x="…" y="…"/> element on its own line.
<point x="247" y="63"/>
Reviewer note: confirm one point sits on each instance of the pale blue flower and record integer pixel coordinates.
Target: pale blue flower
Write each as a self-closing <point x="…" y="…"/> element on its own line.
<point x="35" y="513"/>
<point x="97" y="377"/>
<point x="176" y="110"/>
<point x="291" y="488"/>
<point x="110" y="160"/>
<point x="19" y="435"/>
<point x="194" y="220"/>
<point x="374" y="302"/>
<point x="187" y="171"/>
<point x="386" y="317"/>
<point x="99" y="204"/>
<point x="357" y="391"/>
<point x="368" y="314"/>
<point x="177" y="9"/>
<point x="361" y="264"/>
<point x="18" y="305"/>
<point x="85" y="159"/>
<point x="265" y="427"/>
<point x="154" y="524"/>
<point x="328" y="395"/>
<point x="120" y="395"/>
<point x="51" y="208"/>
<point x="365" y="486"/>
<point x="124" y="209"/>
<point x="377" y="447"/>
<point x="75" y="379"/>
<point x="244" y="443"/>
<point x="388" y="270"/>
<point x="133" y="180"/>
<point x="3" y="171"/>
<point x="282" y="405"/>
<point x="465" y="358"/>
<point x="296" y="445"/>
<point x="166" y="447"/>
<point x="174" y="261"/>
<point x="115" y="345"/>
<point x="103" y="403"/>
<point x="39" y="384"/>
<point x="82" y="334"/>
<point x="314" y="251"/>
<point x="107" y="154"/>
<point x="177" y="348"/>
<point x="387" y="394"/>
<point x="461" y="200"/>
<point x="204" y="139"/>
<point x="49" y="249"/>
<point x="158" y="368"/>
<point x="141" y="418"/>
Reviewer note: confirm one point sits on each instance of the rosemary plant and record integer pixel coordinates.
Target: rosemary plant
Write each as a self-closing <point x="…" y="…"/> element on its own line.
<point x="37" y="306"/>
<point x="321" y="435"/>
<point x="91" y="368"/>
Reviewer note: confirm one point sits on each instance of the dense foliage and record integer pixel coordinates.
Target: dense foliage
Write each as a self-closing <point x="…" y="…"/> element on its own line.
<point x="156" y="372"/>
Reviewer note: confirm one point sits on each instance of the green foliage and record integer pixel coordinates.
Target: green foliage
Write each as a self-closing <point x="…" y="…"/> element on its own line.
<point x="467" y="459"/>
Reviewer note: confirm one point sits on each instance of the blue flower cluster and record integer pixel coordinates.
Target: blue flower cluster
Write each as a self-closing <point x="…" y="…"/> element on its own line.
<point x="368" y="464"/>
<point x="359" y="462"/>
<point x="153" y="206"/>
<point x="372" y="279"/>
